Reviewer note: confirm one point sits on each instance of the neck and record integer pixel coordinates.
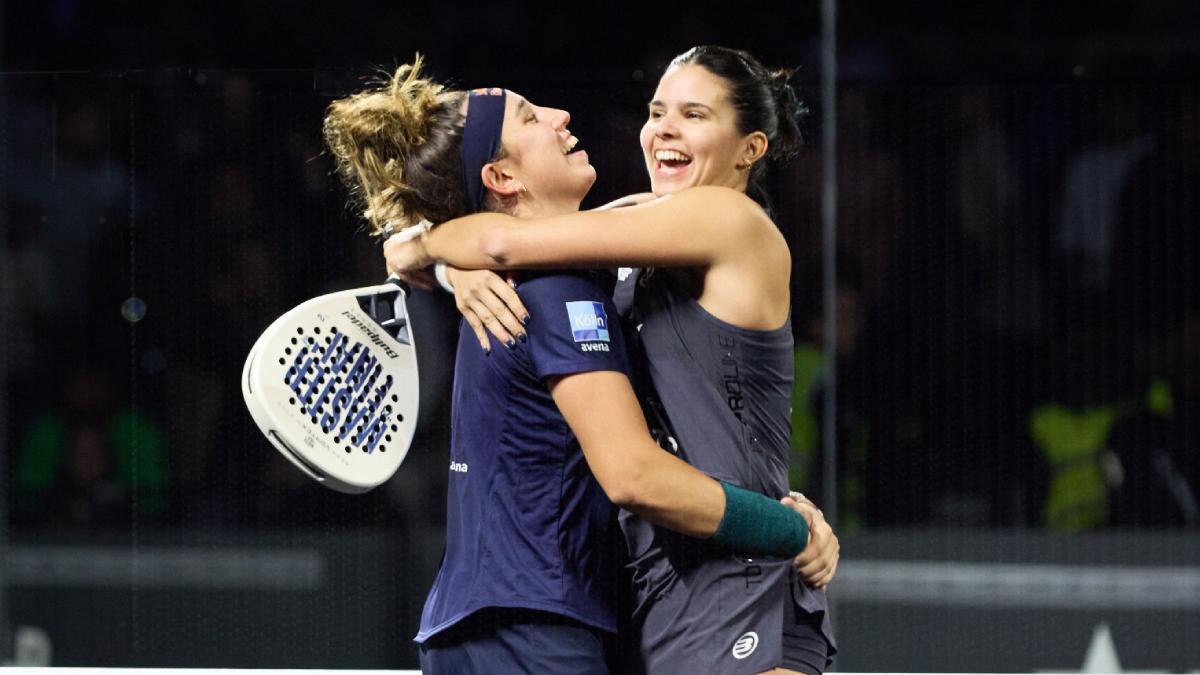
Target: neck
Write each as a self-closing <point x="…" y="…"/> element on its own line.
<point x="536" y="208"/>
<point x="740" y="181"/>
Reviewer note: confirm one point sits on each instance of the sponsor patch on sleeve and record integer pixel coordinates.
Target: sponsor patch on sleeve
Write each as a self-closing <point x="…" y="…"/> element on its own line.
<point x="589" y="322"/>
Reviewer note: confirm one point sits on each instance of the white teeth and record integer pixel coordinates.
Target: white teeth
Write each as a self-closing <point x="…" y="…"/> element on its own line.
<point x="671" y="156"/>
<point x="571" y="143"/>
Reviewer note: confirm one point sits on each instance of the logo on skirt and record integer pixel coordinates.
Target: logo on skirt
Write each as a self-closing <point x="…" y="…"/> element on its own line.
<point x="745" y="645"/>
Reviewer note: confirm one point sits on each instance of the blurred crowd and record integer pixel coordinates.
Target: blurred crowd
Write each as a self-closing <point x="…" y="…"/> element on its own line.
<point x="1018" y="308"/>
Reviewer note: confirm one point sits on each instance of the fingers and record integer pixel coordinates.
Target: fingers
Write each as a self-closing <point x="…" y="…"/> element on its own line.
<point x="799" y="498"/>
<point x="823" y="582"/>
<point x="514" y="308"/>
<point x="821" y="573"/>
<point x="477" y="327"/>
<point x="504" y="304"/>
<point x="831" y="552"/>
<point x="490" y="305"/>
<point x="817" y="563"/>
<point x="487" y="318"/>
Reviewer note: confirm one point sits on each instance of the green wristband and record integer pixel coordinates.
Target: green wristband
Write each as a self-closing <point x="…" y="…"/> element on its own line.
<point x="753" y="523"/>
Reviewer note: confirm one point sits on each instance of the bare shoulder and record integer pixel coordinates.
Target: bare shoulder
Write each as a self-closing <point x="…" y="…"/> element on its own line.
<point x="724" y="207"/>
<point x="716" y="195"/>
<point x="727" y="210"/>
<point x="753" y="260"/>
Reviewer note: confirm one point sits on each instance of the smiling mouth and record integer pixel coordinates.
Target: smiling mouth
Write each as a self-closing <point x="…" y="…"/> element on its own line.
<point x="671" y="161"/>
<point x="570" y="145"/>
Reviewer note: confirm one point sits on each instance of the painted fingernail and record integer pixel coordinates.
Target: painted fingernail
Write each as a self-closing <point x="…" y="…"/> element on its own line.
<point x="525" y="319"/>
<point x="522" y="337"/>
<point x="511" y="343"/>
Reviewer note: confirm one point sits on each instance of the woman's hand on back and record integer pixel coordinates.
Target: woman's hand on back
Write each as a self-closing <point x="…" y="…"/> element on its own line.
<point x="818" y="562"/>
<point x="489" y="304"/>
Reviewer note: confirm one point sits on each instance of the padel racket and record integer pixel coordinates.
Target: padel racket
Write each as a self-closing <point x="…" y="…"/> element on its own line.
<point x="333" y="385"/>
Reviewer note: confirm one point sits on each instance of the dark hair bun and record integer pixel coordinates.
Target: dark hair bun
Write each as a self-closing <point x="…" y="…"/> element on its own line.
<point x="790" y="110"/>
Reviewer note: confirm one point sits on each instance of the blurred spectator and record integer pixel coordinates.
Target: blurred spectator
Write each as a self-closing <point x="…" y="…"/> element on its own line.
<point x="221" y="478"/>
<point x="1091" y="390"/>
<point x="853" y="430"/>
<point x="1156" y="274"/>
<point x="946" y="308"/>
<point x="873" y="200"/>
<point x="72" y="191"/>
<point x="877" y="376"/>
<point x="1156" y="239"/>
<point x="91" y="460"/>
<point x="1119" y="438"/>
<point x="1096" y="177"/>
<point x="996" y="323"/>
<point x="989" y="191"/>
<point x="27" y="273"/>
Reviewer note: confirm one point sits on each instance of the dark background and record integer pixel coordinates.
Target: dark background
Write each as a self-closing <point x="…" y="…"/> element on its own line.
<point x="1019" y="307"/>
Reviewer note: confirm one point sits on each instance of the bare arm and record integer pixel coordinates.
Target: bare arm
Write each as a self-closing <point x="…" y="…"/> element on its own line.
<point x="717" y="231"/>
<point x="700" y="226"/>
<point x="635" y="473"/>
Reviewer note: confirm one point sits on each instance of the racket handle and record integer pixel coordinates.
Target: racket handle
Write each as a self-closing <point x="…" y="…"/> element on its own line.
<point x="395" y="279"/>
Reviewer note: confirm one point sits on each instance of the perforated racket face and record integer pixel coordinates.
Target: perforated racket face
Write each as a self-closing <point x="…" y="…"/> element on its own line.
<point x="333" y="385"/>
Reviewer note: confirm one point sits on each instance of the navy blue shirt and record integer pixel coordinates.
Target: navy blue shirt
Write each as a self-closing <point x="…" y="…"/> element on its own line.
<point x="527" y="525"/>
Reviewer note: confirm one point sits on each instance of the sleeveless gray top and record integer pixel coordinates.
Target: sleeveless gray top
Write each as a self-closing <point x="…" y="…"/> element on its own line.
<point x="721" y="392"/>
<point x="725" y="390"/>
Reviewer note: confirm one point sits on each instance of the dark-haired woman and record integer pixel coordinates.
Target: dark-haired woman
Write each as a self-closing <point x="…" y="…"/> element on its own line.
<point x="544" y="430"/>
<point x="710" y="302"/>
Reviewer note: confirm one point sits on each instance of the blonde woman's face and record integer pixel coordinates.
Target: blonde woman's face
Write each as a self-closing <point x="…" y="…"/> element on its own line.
<point x="690" y="136"/>
<point x="540" y="153"/>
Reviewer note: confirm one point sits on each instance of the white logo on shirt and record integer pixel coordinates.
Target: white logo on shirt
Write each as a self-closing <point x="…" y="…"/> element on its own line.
<point x="745" y="645"/>
<point x="460" y="467"/>
<point x="589" y="321"/>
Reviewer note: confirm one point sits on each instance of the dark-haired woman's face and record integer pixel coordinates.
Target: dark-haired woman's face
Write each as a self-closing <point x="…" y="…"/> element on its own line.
<point x="691" y="136"/>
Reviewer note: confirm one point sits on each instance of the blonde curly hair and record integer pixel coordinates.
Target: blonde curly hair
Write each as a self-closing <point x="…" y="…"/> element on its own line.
<point x="397" y="146"/>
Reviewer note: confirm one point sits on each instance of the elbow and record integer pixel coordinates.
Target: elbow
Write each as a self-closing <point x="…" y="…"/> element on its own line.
<point x="627" y="490"/>
<point x="625" y="498"/>
<point x="497" y="246"/>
